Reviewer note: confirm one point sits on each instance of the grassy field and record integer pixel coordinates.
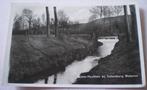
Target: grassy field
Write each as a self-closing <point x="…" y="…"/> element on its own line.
<point x="40" y="57"/>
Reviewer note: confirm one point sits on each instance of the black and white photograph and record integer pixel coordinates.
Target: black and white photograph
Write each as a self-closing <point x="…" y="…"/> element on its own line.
<point x="74" y="45"/>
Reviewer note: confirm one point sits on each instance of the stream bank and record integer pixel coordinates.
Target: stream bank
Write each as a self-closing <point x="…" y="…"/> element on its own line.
<point x="73" y="70"/>
<point x="122" y="66"/>
<point x="41" y="57"/>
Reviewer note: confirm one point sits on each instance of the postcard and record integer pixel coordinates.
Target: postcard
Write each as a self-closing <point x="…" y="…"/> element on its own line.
<point x="65" y="44"/>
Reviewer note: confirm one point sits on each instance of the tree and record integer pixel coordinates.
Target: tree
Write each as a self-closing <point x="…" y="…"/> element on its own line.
<point x="63" y="19"/>
<point x="105" y="11"/>
<point x="118" y="9"/>
<point x="96" y="13"/>
<point x="17" y="22"/>
<point x="36" y="23"/>
<point x="28" y="16"/>
<point x="101" y="12"/>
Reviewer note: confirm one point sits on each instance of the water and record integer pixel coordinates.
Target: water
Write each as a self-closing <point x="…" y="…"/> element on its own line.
<point x="106" y="48"/>
<point x="73" y="71"/>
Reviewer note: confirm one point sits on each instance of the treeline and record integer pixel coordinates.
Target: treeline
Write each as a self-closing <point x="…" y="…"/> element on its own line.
<point x="103" y="27"/>
<point x="28" y="22"/>
<point x="71" y="28"/>
<point x="104" y="21"/>
<point x="107" y="26"/>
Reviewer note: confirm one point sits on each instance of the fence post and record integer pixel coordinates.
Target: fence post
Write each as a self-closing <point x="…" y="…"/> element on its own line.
<point x="46" y="80"/>
<point x="48" y="22"/>
<point x="56" y="22"/>
<point x="127" y="24"/>
<point x="55" y="79"/>
<point x="133" y="22"/>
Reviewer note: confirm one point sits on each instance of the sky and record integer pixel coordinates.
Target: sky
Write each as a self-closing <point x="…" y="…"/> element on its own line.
<point x="75" y="13"/>
<point x="80" y="14"/>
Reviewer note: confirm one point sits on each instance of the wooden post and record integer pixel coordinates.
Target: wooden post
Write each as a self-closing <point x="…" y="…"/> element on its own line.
<point x="126" y="23"/>
<point x="48" y="22"/>
<point x="56" y="22"/>
<point x="133" y="22"/>
<point x="46" y="80"/>
<point x="55" y="79"/>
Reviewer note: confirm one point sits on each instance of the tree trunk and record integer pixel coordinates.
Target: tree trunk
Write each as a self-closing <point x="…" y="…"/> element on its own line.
<point x="48" y="22"/>
<point x="56" y="22"/>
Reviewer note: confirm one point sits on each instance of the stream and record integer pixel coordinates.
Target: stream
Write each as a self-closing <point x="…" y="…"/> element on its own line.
<point x="73" y="71"/>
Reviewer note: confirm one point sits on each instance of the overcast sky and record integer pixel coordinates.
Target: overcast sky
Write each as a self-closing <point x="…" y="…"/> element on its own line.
<point x="80" y="14"/>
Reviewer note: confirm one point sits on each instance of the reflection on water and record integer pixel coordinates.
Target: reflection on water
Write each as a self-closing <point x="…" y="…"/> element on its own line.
<point x="73" y="71"/>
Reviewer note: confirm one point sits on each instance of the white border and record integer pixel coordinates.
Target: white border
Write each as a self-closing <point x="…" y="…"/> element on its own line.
<point x="140" y="41"/>
<point x="86" y="3"/>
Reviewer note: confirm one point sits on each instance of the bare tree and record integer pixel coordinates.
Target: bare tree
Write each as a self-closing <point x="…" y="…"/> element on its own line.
<point x="117" y="10"/>
<point x="36" y="23"/>
<point x="101" y="12"/>
<point x="96" y="13"/>
<point x="17" y="22"/>
<point x="105" y="11"/>
<point x="28" y="16"/>
<point x="63" y="19"/>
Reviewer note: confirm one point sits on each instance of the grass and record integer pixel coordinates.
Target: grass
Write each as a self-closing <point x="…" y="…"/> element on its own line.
<point x="124" y="60"/>
<point x="41" y="57"/>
